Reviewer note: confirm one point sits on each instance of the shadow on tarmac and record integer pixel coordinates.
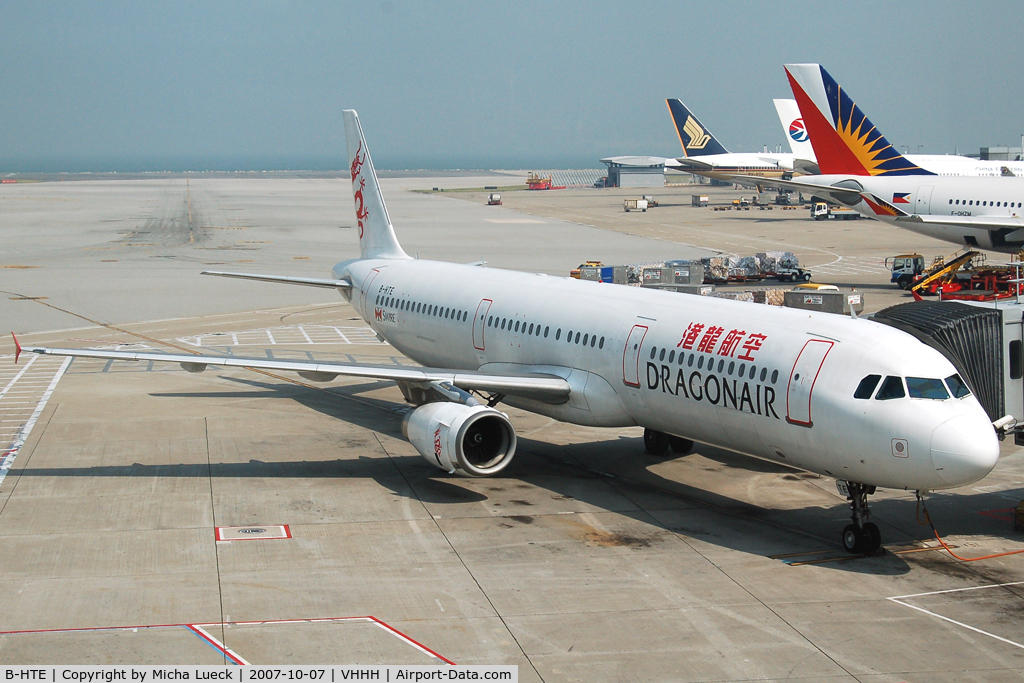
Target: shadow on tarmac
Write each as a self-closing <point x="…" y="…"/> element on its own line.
<point x="610" y="475"/>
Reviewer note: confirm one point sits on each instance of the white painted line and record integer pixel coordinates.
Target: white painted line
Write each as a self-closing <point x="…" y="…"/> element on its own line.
<point x="305" y="336"/>
<point x="18" y="376"/>
<point x="220" y="646"/>
<point x="271" y="337"/>
<point x="899" y="601"/>
<point x="19" y="440"/>
<point x="956" y="590"/>
<point x="340" y="334"/>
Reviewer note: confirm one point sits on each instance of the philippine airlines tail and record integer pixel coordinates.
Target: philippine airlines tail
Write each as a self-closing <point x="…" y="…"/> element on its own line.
<point x="376" y="235"/>
<point x="694" y="137"/>
<point x="844" y="139"/>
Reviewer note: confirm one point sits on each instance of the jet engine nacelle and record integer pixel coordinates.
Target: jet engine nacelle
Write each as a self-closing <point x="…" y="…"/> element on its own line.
<point x="474" y="441"/>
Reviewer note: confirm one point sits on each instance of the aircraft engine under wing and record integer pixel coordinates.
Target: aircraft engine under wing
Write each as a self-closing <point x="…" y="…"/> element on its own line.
<point x="541" y="387"/>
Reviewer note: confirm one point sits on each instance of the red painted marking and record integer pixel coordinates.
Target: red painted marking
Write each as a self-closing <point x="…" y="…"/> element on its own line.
<point x="191" y="627"/>
<point x="220" y="648"/>
<point x="994" y="514"/>
<point x="287" y="533"/>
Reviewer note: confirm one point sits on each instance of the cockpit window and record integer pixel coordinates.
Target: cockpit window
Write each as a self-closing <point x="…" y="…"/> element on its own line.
<point x="892" y="387"/>
<point x="924" y="387"/>
<point x="867" y="386"/>
<point x="957" y="386"/>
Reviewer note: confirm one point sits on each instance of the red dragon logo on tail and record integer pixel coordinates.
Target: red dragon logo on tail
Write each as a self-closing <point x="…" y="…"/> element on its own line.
<point x="357" y="166"/>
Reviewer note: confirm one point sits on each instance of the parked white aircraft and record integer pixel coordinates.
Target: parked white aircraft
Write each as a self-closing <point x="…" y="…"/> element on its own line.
<point x="862" y="170"/>
<point x="704" y="155"/>
<point x="940" y="164"/>
<point x="847" y="398"/>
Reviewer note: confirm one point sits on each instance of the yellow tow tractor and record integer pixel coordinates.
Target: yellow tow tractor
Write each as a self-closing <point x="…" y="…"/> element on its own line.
<point x="575" y="272"/>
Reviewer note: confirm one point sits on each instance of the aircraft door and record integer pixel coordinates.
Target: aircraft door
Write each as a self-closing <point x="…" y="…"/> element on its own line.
<point x="631" y="356"/>
<point x="367" y="283"/>
<point x="480" y="323"/>
<point x="924" y="200"/>
<point x="801" y="381"/>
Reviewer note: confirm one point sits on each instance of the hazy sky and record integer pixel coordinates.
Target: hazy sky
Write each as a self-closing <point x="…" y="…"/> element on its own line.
<point x="261" y="85"/>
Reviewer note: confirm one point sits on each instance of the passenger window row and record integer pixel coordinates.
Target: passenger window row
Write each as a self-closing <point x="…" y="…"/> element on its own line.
<point x="688" y="360"/>
<point x="973" y="202"/>
<point x="537" y="330"/>
<point x="419" y="307"/>
<point x="916" y="387"/>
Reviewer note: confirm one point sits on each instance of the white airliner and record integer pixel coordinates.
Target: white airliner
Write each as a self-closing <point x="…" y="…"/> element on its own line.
<point x="704" y="155"/>
<point x="940" y="164"/>
<point x="843" y="397"/>
<point x="862" y="170"/>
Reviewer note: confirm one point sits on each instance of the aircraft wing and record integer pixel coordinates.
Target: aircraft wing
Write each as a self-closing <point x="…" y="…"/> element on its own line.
<point x="548" y="388"/>
<point x="307" y="281"/>
<point x="838" y="195"/>
<point x="984" y="222"/>
<point x="688" y="164"/>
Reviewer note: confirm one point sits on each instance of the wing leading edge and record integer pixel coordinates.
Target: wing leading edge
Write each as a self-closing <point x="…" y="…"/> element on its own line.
<point x="547" y="388"/>
<point x="306" y="281"/>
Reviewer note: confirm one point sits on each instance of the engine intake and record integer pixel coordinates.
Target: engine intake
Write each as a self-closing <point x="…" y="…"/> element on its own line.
<point x="473" y="441"/>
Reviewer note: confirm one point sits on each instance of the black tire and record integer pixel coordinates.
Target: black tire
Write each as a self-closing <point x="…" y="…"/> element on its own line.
<point x="807" y="277"/>
<point x="903" y="281"/>
<point x="873" y="538"/>
<point x="656" y="443"/>
<point x="680" y="445"/>
<point x="853" y="539"/>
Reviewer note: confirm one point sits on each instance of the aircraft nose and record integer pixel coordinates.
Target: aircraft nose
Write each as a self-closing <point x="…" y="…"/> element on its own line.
<point x="964" y="449"/>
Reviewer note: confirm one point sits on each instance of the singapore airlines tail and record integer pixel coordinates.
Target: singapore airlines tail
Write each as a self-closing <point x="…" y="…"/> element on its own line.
<point x="694" y="137"/>
<point x="376" y="234"/>
<point x="845" y="141"/>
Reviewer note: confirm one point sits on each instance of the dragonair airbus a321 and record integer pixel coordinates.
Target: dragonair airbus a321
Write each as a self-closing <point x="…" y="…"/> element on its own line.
<point x="843" y="397"/>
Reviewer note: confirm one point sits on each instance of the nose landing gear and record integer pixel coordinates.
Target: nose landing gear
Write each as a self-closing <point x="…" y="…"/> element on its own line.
<point x="861" y="537"/>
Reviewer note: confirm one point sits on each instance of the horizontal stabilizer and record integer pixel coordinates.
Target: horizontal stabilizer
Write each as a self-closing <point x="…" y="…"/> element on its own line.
<point x="306" y="281"/>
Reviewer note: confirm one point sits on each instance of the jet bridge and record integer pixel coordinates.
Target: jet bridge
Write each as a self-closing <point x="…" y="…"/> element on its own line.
<point x="983" y="340"/>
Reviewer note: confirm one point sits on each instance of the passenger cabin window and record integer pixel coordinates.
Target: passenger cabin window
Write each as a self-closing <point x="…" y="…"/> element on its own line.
<point x="924" y="387"/>
<point x="892" y="387"/>
<point x="957" y="386"/>
<point x="867" y="386"/>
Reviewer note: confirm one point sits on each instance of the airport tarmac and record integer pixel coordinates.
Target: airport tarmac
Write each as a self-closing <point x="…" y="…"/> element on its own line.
<point x="585" y="560"/>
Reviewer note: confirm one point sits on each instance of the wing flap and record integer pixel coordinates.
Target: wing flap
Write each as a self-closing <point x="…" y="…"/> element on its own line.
<point x="533" y="385"/>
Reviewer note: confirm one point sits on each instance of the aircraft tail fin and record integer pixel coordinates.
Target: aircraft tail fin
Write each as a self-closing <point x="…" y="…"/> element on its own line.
<point x="376" y="234"/>
<point x="795" y="130"/>
<point x="693" y="136"/>
<point x="845" y="141"/>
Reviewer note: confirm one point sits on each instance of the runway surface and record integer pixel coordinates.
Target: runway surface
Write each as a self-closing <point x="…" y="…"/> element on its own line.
<point x="586" y="560"/>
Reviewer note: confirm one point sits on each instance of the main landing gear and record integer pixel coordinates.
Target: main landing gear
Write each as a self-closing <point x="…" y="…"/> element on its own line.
<point x="659" y="443"/>
<point x="862" y="537"/>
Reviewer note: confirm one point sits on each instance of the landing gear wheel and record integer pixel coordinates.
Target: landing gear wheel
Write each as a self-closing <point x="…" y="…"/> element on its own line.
<point x="656" y="443"/>
<point x="861" y="537"/>
<point x="873" y="538"/>
<point x="853" y="539"/>
<point x="680" y="445"/>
